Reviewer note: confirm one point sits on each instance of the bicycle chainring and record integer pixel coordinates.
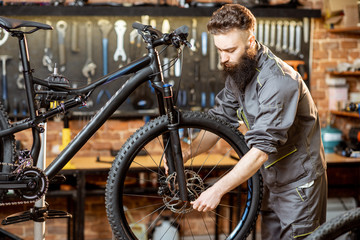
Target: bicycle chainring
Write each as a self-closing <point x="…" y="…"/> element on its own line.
<point x="37" y="181"/>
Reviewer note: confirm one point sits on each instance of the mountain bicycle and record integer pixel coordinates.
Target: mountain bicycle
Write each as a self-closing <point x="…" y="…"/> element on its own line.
<point x="347" y="224"/>
<point x="130" y="208"/>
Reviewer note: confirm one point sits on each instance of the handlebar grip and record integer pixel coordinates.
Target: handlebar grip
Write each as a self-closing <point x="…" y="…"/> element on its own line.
<point x="139" y="26"/>
<point x="182" y="30"/>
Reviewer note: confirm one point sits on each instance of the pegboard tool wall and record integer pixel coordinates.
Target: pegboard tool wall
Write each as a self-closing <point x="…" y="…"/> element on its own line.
<point x="201" y="78"/>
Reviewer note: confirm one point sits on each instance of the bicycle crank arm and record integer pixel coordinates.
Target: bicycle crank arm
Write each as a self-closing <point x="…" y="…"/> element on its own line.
<point x="13" y="185"/>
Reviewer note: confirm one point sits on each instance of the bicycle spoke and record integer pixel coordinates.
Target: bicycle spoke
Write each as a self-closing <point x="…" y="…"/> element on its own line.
<point x="226" y="235"/>
<point x="147" y="206"/>
<point x="154" y="161"/>
<point x="143" y="196"/>
<point x="210" y="151"/>
<point x="192" y="234"/>
<point x="207" y="230"/>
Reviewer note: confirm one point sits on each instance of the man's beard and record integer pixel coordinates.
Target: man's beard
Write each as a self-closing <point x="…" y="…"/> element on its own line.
<point x="243" y="71"/>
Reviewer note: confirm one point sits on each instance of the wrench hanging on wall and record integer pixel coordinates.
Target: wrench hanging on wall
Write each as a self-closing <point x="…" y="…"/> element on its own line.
<point x="266" y="32"/>
<point x="260" y="35"/>
<point x="75" y="37"/>
<point x="165" y="29"/>
<point x="4" y="35"/>
<point x="292" y="26"/>
<point x="204" y="43"/>
<point x="105" y="28"/>
<point x="272" y="33"/>
<point x="285" y="36"/>
<point x="298" y="40"/>
<point x="279" y="25"/>
<point x="193" y="41"/>
<point x="61" y="27"/>
<point x="89" y="68"/>
<point x="47" y="60"/>
<point x="120" y="29"/>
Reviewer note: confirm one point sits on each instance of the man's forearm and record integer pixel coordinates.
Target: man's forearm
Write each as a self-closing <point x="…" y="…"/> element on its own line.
<point x="203" y="142"/>
<point x="248" y="165"/>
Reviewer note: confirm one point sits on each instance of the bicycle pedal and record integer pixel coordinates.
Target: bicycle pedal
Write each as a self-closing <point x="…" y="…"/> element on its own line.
<point x="17" y="218"/>
<point x="58" y="214"/>
<point x="36" y="215"/>
<point x="60" y="178"/>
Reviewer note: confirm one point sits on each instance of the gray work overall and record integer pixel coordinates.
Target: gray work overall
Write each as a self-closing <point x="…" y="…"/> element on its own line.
<point x="282" y="121"/>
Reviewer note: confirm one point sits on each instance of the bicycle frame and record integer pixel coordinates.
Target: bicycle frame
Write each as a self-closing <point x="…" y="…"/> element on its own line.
<point x="145" y="68"/>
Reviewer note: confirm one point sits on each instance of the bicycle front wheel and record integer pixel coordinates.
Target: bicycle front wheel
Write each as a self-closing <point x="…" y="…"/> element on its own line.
<point x="142" y="201"/>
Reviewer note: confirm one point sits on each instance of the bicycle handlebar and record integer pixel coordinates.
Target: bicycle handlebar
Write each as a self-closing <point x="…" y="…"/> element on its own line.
<point x="176" y="38"/>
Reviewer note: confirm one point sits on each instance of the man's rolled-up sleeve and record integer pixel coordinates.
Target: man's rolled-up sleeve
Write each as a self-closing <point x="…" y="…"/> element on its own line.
<point x="278" y="101"/>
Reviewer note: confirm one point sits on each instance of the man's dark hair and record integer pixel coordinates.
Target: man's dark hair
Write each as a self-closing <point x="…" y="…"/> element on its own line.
<point x="231" y="16"/>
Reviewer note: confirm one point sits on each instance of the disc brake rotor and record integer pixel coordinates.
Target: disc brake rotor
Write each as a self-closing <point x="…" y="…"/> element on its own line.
<point x="195" y="186"/>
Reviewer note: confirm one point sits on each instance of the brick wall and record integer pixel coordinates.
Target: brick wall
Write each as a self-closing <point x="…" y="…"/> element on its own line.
<point x="330" y="49"/>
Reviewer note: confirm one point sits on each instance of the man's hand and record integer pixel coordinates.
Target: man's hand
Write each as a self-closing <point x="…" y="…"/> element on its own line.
<point x="208" y="200"/>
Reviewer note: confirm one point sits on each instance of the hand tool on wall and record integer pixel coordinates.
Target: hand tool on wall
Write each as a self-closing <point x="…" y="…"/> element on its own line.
<point x="193" y="35"/>
<point x="105" y="28"/>
<point x="266" y="32"/>
<point x="212" y="54"/>
<point x="165" y="29"/>
<point x="120" y="29"/>
<point x="260" y="30"/>
<point x="298" y="40"/>
<point x="306" y="25"/>
<point x="182" y="97"/>
<point x="292" y="36"/>
<point x="89" y="68"/>
<point x="4" y="98"/>
<point x="4" y="35"/>
<point x="204" y="43"/>
<point x="153" y="23"/>
<point x="75" y="37"/>
<point x="20" y="79"/>
<point x="272" y="34"/>
<point x="278" y="35"/>
<point x="177" y="68"/>
<point x="285" y="36"/>
<point x="61" y="27"/>
<point x="47" y="59"/>
<point x="192" y="96"/>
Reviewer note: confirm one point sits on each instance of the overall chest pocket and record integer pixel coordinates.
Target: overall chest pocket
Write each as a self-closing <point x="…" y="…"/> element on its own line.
<point x="284" y="167"/>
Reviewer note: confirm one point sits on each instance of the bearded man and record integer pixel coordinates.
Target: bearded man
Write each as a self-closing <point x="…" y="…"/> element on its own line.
<point x="283" y="130"/>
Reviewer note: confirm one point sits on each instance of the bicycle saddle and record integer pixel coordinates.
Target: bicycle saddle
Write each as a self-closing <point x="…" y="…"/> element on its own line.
<point x="11" y="24"/>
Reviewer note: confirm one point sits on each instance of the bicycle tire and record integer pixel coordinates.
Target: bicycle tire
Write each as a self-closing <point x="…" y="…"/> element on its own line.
<point x="123" y="190"/>
<point x="350" y="220"/>
<point x="7" y="144"/>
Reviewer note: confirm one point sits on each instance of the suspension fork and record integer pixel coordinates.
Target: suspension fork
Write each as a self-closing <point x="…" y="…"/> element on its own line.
<point x="174" y="145"/>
